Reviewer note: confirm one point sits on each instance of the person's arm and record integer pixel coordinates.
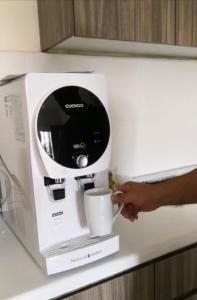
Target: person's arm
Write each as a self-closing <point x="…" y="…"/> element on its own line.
<point x="146" y="197"/>
<point x="178" y="190"/>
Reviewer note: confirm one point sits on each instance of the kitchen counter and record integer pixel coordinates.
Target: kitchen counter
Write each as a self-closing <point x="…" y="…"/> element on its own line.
<point x="154" y="234"/>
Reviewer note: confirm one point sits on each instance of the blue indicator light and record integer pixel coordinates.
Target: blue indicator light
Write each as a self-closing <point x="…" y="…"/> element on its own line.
<point x="96" y="141"/>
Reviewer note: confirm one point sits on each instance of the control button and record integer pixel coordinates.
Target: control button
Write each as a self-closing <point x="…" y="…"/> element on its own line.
<point x="82" y="161"/>
<point x="58" y="194"/>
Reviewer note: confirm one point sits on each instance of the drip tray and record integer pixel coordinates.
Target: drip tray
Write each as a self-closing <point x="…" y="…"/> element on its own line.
<point x="73" y="244"/>
<point x="77" y="252"/>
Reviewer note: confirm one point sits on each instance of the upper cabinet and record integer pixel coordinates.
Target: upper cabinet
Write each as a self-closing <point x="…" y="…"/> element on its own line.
<point x="126" y="20"/>
<point x="186" y="22"/>
<point x="96" y="22"/>
<point x="56" y="21"/>
<point x="105" y="19"/>
<point x="155" y="21"/>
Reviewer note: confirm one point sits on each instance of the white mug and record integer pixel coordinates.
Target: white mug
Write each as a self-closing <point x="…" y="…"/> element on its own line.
<point x="100" y="212"/>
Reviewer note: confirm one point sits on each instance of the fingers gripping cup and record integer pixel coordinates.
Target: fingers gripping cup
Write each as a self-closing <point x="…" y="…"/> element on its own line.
<point x="101" y="213"/>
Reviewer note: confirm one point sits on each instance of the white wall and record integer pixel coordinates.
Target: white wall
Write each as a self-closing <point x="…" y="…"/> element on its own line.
<point x="153" y="105"/>
<point x="19" y="29"/>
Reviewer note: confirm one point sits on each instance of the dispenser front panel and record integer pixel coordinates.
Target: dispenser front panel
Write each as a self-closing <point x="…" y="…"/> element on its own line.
<point x="73" y="127"/>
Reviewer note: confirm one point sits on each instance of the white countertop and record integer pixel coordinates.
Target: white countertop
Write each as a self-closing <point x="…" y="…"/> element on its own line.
<point x="153" y="235"/>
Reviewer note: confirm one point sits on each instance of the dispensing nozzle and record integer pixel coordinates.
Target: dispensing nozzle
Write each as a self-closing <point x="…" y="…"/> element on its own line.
<point x="86" y="182"/>
<point x="58" y="189"/>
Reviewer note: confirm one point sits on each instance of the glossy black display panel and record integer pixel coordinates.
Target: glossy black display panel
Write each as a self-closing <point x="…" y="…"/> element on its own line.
<point x="71" y="122"/>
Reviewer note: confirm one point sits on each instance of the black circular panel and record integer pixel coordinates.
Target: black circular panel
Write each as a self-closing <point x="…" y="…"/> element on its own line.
<point x="72" y="122"/>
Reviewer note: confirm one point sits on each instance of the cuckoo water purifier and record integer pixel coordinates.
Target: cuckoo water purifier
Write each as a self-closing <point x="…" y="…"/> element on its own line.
<point x="55" y="145"/>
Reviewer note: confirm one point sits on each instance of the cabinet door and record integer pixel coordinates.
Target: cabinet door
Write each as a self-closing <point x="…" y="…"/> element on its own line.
<point x="186" y="22"/>
<point x="56" y="21"/>
<point x="194" y="297"/>
<point x="138" y="285"/>
<point x="176" y="275"/>
<point x="106" y="19"/>
<point x="133" y="20"/>
<point x="155" y="21"/>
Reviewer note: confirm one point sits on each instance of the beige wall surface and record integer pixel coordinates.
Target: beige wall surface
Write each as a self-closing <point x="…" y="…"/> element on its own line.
<point x="19" y="30"/>
<point x="152" y="105"/>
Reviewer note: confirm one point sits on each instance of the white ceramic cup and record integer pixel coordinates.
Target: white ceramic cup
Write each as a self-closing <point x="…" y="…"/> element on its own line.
<point x="100" y="212"/>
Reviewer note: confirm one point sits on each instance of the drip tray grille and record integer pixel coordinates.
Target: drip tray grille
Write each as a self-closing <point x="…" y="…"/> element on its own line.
<point x="71" y="245"/>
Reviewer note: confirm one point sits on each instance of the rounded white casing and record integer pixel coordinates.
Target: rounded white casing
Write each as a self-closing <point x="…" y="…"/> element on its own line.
<point x="38" y="87"/>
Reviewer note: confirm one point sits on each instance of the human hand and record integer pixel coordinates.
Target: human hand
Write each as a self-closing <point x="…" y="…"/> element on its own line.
<point x="137" y="197"/>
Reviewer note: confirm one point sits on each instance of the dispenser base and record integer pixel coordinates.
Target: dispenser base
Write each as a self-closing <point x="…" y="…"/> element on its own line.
<point x="77" y="252"/>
